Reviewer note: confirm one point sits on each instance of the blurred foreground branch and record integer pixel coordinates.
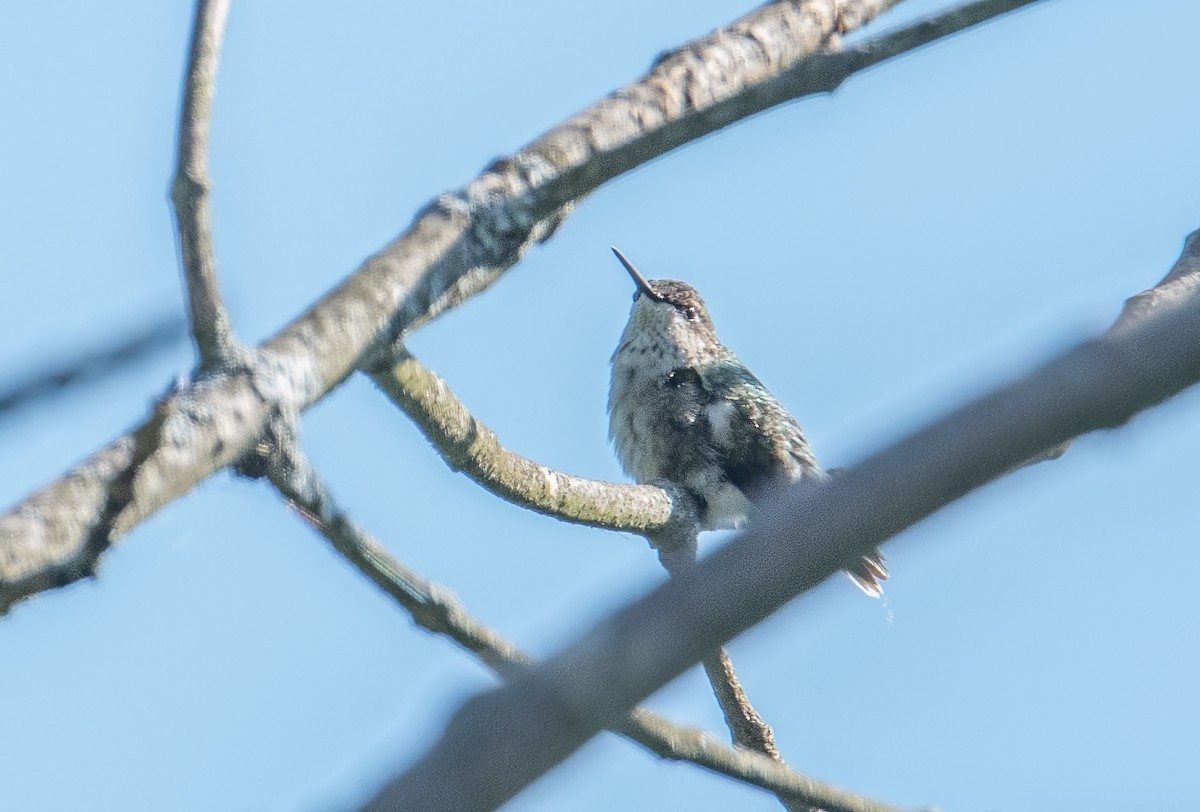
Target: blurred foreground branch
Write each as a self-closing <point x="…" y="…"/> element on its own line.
<point x="435" y="609"/>
<point x="499" y="742"/>
<point x="92" y="365"/>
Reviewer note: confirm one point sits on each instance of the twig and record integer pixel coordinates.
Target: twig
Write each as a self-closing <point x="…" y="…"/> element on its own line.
<point x="748" y="728"/>
<point x="911" y="36"/>
<point x="620" y="136"/>
<point x="435" y="609"/>
<point x="468" y="446"/>
<point x="92" y="365"/>
<point x="494" y="748"/>
<point x="1175" y="289"/>
<point x="211" y="329"/>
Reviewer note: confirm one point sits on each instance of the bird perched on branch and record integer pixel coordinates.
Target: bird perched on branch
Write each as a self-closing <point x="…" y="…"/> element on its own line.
<point x="683" y="408"/>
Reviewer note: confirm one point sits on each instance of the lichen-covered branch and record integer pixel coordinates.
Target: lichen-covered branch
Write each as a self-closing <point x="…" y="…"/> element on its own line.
<point x="57" y="535"/>
<point x="456" y="247"/>
<point x="211" y="329"/>
<point x="469" y="446"/>
<point x="748" y="728"/>
<point x="494" y="749"/>
<point x="435" y="609"/>
<point x="777" y="54"/>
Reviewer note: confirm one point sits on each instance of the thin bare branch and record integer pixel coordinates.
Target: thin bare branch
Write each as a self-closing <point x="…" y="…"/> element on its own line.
<point x="493" y="746"/>
<point x="748" y="728"/>
<point x="435" y="609"/>
<point x="641" y="122"/>
<point x="432" y="607"/>
<point x="910" y="37"/>
<point x="458" y="246"/>
<point x="1176" y="288"/>
<point x="211" y="329"/>
<point x="92" y="364"/>
<point x="467" y="445"/>
<point x="679" y="743"/>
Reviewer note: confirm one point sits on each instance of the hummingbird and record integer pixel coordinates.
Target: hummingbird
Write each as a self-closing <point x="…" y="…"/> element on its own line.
<point x="682" y="407"/>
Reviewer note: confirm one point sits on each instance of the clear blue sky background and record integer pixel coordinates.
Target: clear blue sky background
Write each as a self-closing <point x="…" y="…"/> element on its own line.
<point x="941" y="223"/>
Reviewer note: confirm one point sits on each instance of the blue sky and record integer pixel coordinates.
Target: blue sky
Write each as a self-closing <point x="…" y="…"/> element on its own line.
<point x="942" y="223"/>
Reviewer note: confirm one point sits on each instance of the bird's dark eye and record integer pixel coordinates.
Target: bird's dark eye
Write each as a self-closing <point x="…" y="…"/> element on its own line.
<point x="682" y="377"/>
<point x="691" y="313"/>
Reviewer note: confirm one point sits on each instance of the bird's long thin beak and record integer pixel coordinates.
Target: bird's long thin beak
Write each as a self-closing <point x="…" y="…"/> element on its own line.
<point x="638" y="279"/>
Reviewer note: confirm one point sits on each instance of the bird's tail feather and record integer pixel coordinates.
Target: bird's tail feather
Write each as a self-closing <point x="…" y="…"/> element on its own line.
<point x="867" y="573"/>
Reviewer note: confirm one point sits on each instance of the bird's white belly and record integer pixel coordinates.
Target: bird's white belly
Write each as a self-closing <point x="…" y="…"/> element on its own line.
<point x="727" y="507"/>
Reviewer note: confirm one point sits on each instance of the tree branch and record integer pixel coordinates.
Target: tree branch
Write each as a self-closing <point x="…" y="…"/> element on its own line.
<point x="916" y="35"/>
<point x="468" y="446"/>
<point x="458" y="246"/>
<point x="499" y="742"/>
<point x="91" y="365"/>
<point x="215" y="342"/>
<point x="435" y="609"/>
<point x="1175" y="289"/>
<point x="681" y="100"/>
<point x="748" y="728"/>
